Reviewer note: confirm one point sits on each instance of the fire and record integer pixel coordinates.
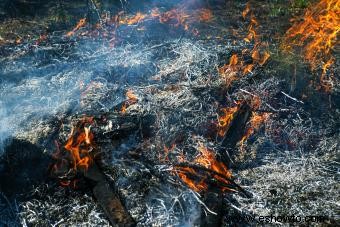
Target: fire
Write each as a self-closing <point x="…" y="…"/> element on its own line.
<point x="229" y="72"/>
<point x="198" y="180"/>
<point x="131" y="99"/>
<point x="233" y="60"/>
<point x="134" y="19"/>
<point x="225" y="119"/>
<point x="254" y="124"/>
<point x="237" y="67"/>
<point x="79" y="25"/>
<point x="316" y="34"/>
<point x="131" y="96"/>
<point x="251" y="30"/>
<point x="246" y="10"/>
<point x="80" y="144"/>
<point x="167" y="151"/>
<point x="77" y="152"/>
<point x="189" y="181"/>
<point x="177" y="17"/>
<point x="205" y="15"/>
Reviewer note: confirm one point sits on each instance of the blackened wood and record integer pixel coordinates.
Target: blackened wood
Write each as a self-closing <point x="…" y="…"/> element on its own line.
<point x="232" y="185"/>
<point x="237" y="127"/>
<point x="215" y="203"/>
<point x="115" y="125"/>
<point x="235" y="132"/>
<point x="107" y="198"/>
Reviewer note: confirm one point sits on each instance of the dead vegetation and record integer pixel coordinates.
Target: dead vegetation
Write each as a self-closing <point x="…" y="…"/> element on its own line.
<point x="288" y="163"/>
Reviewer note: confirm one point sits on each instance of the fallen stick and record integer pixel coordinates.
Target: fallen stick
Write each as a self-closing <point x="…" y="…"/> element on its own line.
<point x="107" y="198"/>
<point x="235" y="131"/>
<point x="232" y="184"/>
<point x="292" y="98"/>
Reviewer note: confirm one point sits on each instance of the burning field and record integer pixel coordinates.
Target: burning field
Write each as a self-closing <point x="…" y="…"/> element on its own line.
<point x="169" y="113"/>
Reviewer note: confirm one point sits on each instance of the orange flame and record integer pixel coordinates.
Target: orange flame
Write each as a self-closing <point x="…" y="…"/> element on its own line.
<point x="178" y="17"/>
<point x="134" y="19"/>
<point x="198" y="181"/>
<point x="230" y="72"/>
<point x="131" y="99"/>
<point x="225" y="119"/>
<point x="77" y="153"/>
<point x="317" y="34"/>
<point x="79" y="25"/>
<point x="254" y="124"/>
<point x="233" y="60"/>
<point x="246" y="10"/>
<point x="80" y="144"/>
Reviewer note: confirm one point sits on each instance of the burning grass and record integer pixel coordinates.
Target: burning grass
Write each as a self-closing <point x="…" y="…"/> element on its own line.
<point x="76" y="154"/>
<point x="316" y="34"/>
<point x="176" y="18"/>
<point x="238" y="67"/>
<point x="207" y="159"/>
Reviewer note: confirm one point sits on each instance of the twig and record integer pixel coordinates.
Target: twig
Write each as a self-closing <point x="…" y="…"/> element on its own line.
<point x="213" y="172"/>
<point x="247" y="92"/>
<point x="294" y="99"/>
<point x="202" y="203"/>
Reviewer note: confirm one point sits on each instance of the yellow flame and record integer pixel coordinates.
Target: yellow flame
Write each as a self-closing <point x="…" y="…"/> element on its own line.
<point x="316" y="34"/>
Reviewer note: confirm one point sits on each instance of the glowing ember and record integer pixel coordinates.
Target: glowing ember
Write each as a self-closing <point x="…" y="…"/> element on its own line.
<point x="131" y="99"/>
<point x="246" y="10"/>
<point x="80" y="24"/>
<point x="198" y="181"/>
<point x="254" y="124"/>
<point x="77" y="152"/>
<point x="317" y="35"/>
<point x="205" y="15"/>
<point x="167" y="151"/>
<point x="225" y="119"/>
<point x="134" y="19"/>
<point x="177" y="17"/>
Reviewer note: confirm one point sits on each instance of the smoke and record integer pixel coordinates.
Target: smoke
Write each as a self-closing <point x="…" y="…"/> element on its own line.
<point x="5" y="130"/>
<point x="62" y="76"/>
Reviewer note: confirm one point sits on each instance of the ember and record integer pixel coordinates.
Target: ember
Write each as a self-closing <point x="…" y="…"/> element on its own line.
<point x="80" y="24"/>
<point x="254" y="124"/>
<point x="176" y="17"/>
<point x="225" y="119"/>
<point x="197" y="179"/>
<point x="131" y="99"/>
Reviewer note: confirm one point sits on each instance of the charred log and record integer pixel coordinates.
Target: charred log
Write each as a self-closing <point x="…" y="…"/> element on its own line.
<point x="232" y="185"/>
<point x="107" y="198"/>
<point x="80" y="158"/>
<point x="235" y="132"/>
